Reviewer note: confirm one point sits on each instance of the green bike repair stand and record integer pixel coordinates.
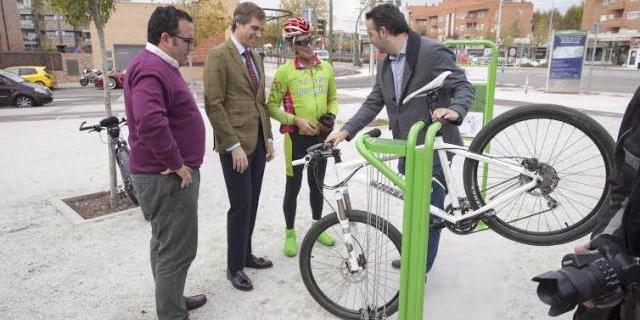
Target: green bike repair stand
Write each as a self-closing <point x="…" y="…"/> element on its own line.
<point x="416" y="187"/>
<point x="484" y="91"/>
<point x="417" y="195"/>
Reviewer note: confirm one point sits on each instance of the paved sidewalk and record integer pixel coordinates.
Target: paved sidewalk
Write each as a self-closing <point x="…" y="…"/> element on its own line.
<point x="54" y="269"/>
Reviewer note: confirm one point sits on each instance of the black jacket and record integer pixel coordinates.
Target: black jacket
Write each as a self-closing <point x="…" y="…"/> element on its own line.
<point x="622" y="213"/>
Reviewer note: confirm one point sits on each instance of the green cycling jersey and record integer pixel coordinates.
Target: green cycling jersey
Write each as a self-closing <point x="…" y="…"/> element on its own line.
<point x="303" y="92"/>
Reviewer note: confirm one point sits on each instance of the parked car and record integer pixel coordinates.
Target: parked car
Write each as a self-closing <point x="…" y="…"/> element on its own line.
<point x="322" y="54"/>
<point x="116" y="80"/>
<point x="35" y="74"/>
<point x="16" y="91"/>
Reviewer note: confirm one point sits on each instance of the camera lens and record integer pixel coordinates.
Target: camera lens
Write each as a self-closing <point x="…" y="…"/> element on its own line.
<point x="556" y="290"/>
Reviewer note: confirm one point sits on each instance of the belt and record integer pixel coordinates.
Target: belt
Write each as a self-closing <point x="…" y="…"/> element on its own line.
<point x="631" y="160"/>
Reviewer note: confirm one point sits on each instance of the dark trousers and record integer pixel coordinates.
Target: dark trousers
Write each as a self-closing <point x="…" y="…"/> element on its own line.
<point x="243" y="190"/>
<point x="174" y="236"/>
<point x="315" y="179"/>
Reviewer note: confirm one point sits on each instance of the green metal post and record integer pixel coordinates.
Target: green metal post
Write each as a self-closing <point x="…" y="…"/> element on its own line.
<point x="417" y="197"/>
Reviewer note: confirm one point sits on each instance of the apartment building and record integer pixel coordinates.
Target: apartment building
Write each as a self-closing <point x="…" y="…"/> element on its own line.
<point x="472" y="19"/>
<point x="614" y="16"/>
<point x="10" y="36"/>
<point x="44" y="29"/>
<point x="618" y="24"/>
<point x="126" y="34"/>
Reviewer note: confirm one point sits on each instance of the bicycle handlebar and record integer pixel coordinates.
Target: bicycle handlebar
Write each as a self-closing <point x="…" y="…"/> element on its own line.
<point x="105" y="123"/>
<point x="301" y="161"/>
<point x="318" y="151"/>
<point x="83" y="128"/>
<point x="325" y="150"/>
<point x="375" y="133"/>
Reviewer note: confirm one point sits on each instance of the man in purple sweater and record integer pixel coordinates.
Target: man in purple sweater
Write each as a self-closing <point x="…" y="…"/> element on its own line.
<point x="167" y="135"/>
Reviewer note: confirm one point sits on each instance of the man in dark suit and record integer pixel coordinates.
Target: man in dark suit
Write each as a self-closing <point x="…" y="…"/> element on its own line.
<point x="235" y="103"/>
<point x="412" y="62"/>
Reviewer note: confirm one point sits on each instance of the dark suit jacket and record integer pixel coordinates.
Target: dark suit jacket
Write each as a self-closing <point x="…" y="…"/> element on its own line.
<point x="234" y="109"/>
<point x="425" y="59"/>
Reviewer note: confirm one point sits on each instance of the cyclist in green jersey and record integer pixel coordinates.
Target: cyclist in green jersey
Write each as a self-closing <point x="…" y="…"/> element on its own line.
<point x="303" y="99"/>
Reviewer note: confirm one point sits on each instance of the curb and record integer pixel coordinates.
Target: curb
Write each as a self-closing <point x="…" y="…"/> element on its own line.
<point x="76" y="219"/>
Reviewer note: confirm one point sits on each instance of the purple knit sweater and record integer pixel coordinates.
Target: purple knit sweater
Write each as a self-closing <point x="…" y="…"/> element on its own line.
<point x="166" y="129"/>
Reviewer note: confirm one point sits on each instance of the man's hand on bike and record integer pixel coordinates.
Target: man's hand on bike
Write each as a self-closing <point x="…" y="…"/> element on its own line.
<point x="240" y="161"/>
<point x="184" y="172"/>
<point x="305" y="126"/>
<point x="445" y="113"/>
<point x="336" y="137"/>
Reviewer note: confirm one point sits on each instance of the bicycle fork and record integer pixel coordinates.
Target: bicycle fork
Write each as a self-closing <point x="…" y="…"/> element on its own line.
<point x="344" y="207"/>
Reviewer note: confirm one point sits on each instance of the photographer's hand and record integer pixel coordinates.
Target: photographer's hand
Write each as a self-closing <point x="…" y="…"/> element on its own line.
<point x="591" y="304"/>
<point x="581" y="249"/>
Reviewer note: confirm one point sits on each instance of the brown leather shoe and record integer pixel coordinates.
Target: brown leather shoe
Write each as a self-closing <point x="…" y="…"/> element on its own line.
<point x="240" y="280"/>
<point x="195" y="302"/>
<point x="258" y="263"/>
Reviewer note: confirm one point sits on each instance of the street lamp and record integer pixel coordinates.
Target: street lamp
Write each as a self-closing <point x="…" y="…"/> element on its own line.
<point x="356" y="38"/>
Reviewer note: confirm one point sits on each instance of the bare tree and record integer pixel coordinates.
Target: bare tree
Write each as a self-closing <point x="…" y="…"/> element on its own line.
<point x="78" y="12"/>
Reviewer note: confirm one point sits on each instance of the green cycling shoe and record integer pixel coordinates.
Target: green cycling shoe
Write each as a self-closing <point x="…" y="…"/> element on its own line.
<point x="326" y="239"/>
<point x="290" y="246"/>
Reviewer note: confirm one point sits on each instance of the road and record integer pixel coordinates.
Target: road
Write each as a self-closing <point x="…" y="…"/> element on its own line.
<point x="604" y="80"/>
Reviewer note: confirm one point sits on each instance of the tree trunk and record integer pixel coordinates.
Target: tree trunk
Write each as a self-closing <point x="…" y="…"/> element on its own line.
<point x="96" y="13"/>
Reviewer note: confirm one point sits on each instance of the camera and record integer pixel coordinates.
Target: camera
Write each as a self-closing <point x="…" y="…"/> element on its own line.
<point x="600" y="276"/>
<point x="327" y="122"/>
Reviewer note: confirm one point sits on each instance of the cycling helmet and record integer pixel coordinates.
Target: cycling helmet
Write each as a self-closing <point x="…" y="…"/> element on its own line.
<point x="295" y="26"/>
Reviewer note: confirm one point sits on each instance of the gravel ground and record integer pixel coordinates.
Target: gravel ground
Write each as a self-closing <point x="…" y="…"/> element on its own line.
<point x="54" y="269"/>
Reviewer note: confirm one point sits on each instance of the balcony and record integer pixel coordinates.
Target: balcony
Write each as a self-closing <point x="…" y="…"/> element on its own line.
<point x="614" y="5"/>
<point x="471" y="18"/>
<point x="27" y="24"/>
<point x="22" y="9"/>
<point x="612" y="23"/>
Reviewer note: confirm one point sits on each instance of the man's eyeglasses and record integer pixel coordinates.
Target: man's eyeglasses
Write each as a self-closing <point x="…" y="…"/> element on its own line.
<point x="188" y="41"/>
<point x="304" y="42"/>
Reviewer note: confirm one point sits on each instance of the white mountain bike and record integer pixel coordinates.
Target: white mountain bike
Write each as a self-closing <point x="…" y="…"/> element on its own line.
<point x="536" y="174"/>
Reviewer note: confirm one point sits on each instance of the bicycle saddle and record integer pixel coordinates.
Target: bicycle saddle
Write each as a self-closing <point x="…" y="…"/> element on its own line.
<point x="109" y="122"/>
<point x="428" y="88"/>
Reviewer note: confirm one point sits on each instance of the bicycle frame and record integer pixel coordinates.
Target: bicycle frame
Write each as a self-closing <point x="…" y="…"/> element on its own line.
<point x="345" y="169"/>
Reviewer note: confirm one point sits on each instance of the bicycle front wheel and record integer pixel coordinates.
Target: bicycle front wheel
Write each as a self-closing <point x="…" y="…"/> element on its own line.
<point x="372" y="292"/>
<point x="122" y="158"/>
<point x="569" y="150"/>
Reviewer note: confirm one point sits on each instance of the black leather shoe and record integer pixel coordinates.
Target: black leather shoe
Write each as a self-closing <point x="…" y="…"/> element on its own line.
<point x="240" y="280"/>
<point x="195" y="302"/>
<point x="258" y="263"/>
<point x="395" y="264"/>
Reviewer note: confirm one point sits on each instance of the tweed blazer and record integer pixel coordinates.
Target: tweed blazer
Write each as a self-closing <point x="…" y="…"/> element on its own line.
<point x="236" y="111"/>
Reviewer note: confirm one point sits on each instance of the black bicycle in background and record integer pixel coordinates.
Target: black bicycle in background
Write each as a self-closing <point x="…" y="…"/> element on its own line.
<point x="120" y="150"/>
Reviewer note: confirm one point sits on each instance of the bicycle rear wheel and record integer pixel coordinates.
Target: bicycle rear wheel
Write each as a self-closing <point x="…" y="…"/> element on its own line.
<point x="572" y="153"/>
<point x="371" y="293"/>
<point x="122" y="159"/>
